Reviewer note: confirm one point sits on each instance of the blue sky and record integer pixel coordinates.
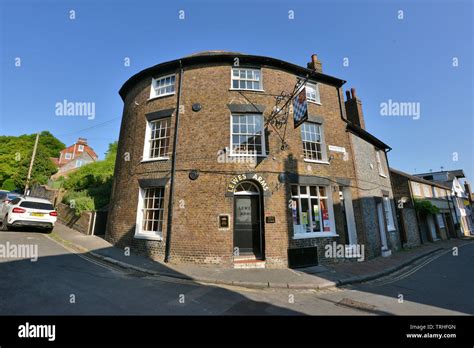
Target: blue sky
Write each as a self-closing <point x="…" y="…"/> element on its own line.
<point x="408" y="60"/>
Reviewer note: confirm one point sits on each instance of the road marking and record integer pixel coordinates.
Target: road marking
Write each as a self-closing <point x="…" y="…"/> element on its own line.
<point x="416" y="268"/>
<point x="87" y="258"/>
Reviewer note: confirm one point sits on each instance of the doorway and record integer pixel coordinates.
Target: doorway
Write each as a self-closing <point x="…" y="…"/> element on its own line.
<point x="248" y="236"/>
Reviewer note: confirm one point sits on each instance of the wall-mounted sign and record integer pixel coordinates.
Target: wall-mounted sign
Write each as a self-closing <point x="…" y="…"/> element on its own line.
<point x="224" y="221"/>
<point x="337" y="148"/>
<point x="270" y="219"/>
<point x="247" y="176"/>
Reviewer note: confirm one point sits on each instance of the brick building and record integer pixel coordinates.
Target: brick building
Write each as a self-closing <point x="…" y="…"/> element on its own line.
<point x="246" y="189"/>
<point x="419" y="226"/>
<point x="375" y="197"/>
<point x="74" y="157"/>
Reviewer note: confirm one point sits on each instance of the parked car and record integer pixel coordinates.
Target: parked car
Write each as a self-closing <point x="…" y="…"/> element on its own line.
<point x="28" y="212"/>
<point x="6" y="196"/>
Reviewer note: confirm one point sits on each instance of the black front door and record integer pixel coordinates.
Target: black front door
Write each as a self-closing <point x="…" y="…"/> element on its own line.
<point x="247" y="233"/>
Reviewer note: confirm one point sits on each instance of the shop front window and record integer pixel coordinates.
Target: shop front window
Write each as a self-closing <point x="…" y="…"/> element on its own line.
<point x="311" y="211"/>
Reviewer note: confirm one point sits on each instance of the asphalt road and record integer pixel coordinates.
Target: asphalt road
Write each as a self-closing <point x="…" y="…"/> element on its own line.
<point x="62" y="282"/>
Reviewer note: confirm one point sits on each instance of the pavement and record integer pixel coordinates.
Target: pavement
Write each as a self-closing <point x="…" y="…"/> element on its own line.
<point x="317" y="277"/>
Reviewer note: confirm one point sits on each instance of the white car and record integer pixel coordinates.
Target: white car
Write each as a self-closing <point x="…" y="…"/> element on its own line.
<point x="28" y="212"/>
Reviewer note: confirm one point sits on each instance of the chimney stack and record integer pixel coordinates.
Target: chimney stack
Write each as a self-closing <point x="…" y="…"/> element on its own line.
<point x="315" y="64"/>
<point x="354" y="109"/>
<point x="82" y="141"/>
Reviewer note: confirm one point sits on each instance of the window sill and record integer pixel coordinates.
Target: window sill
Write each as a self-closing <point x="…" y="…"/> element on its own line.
<point x="391" y="229"/>
<point x="383" y="175"/>
<point x="238" y="155"/>
<point x="247" y="90"/>
<point x="148" y="236"/>
<point x="314" y="102"/>
<point x="315" y="235"/>
<point x="154" y="159"/>
<point x="315" y="161"/>
<point x="160" y="96"/>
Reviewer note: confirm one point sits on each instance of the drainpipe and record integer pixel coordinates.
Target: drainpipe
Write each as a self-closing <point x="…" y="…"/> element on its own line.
<point x="173" y="170"/>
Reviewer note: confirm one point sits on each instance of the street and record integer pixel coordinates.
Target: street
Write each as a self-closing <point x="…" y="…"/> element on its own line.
<point x="63" y="282"/>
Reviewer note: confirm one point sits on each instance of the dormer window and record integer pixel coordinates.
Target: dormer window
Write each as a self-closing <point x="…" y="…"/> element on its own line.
<point x="248" y="79"/>
<point x="162" y="86"/>
<point x="80" y="148"/>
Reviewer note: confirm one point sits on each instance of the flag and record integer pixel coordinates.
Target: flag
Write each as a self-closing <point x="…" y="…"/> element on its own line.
<point x="300" y="108"/>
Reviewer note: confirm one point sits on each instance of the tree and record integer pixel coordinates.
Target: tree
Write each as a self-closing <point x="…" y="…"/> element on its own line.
<point x="15" y="156"/>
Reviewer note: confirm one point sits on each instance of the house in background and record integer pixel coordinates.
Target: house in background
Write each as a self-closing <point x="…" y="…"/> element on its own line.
<point x="74" y="157"/>
<point x="425" y="209"/>
<point x="461" y="192"/>
<point x="377" y="219"/>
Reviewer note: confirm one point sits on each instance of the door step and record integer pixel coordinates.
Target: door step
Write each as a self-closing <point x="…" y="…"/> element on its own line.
<point x="248" y="262"/>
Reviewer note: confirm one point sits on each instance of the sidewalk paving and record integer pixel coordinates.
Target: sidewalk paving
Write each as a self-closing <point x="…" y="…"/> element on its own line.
<point x="317" y="277"/>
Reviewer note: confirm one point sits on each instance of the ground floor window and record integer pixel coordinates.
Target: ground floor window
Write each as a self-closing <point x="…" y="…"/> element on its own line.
<point x="312" y="211"/>
<point x="150" y="215"/>
<point x="387" y="207"/>
<point x="440" y="220"/>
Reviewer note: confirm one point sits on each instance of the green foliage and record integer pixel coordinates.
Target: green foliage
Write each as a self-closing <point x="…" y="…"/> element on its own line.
<point x="8" y="185"/>
<point x="80" y="201"/>
<point x="94" y="180"/>
<point x="15" y="156"/>
<point x="426" y="207"/>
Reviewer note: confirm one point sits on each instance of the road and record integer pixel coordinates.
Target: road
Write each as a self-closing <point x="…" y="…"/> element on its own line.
<point x="63" y="282"/>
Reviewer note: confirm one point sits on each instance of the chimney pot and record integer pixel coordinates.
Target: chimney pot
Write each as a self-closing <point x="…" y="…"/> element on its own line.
<point x="348" y="95"/>
<point x="353" y="92"/>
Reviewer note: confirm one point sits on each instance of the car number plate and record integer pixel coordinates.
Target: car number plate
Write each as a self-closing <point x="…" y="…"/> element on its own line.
<point x="37" y="214"/>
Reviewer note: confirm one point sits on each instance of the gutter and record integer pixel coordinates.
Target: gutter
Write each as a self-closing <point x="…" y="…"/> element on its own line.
<point x="169" y="225"/>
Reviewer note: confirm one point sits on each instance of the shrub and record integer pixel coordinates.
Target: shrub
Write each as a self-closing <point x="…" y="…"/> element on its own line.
<point x="426" y="207"/>
<point x="80" y="201"/>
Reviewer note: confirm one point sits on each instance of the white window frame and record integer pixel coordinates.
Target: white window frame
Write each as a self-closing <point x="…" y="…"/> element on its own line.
<point x="79" y="163"/>
<point x="387" y="207"/>
<point x="380" y="164"/>
<point x="426" y="191"/>
<point x="321" y="143"/>
<point x="154" y="89"/>
<point x="139" y="233"/>
<point x="238" y="78"/>
<point x="263" y="142"/>
<point x="148" y="141"/>
<point x="308" y="196"/>
<point x="440" y="219"/>
<point x="67" y="156"/>
<point x="317" y="97"/>
<point x="416" y="189"/>
<point x="80" y="148"/>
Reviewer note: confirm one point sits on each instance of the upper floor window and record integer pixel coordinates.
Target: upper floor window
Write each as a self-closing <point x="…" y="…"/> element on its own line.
<point x="79" y="163"/>
<point x="157" y="139"/>
<point x="246" y="79"/>
<point x="247" y="136"/>
<point x="427" y="190"/>
<point x="312" y="93"/>
<point x="68" y="156"/>
<point x="162" y="86"/>
<point x="80" y="148"/>
<point x="312" y="136"/>
<point x="379" y="163"/>
<point x="416" y="189"/>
